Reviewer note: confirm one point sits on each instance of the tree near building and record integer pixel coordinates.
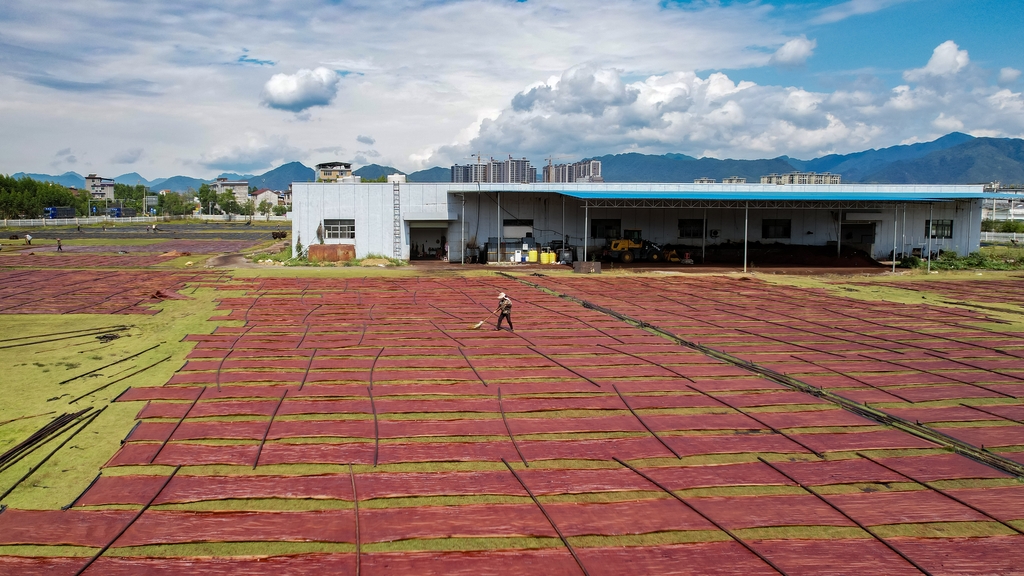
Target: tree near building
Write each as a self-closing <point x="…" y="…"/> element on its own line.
<point x="131" y="196"/>
<point x="228" y="204"/>
<point x="281" y="210"/>
<point x="265" y="207"/>
<point x="207" y="198"/>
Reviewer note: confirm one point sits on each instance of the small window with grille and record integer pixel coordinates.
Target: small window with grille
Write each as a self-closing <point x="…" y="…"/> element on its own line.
<point x="340" y="229"/>
<point x="776" y="228"/>
<point x="939" y="228"/>
<point x="691" y="227"/>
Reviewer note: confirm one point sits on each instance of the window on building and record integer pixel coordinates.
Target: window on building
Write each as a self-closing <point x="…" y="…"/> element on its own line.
<point x="340" y="229"/>
<point x="776" y="228"/>
<point x="941" y="228"/>
<point x="691" y="227"/>
<point x="605" y="228"/>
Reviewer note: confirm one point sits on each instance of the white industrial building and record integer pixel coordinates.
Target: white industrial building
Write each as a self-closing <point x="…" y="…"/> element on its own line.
<point x="401" y="220"/>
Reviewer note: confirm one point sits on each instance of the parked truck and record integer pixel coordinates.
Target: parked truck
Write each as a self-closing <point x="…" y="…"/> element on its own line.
<point x="52" y="212"/>
<point x="118" y="212"/>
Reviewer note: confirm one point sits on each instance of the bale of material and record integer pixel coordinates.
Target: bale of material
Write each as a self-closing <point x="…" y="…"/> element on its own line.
<point x="331" y="252"/>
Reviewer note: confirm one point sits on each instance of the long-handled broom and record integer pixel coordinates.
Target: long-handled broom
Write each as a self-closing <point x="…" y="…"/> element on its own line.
<point x="481" y="323"/>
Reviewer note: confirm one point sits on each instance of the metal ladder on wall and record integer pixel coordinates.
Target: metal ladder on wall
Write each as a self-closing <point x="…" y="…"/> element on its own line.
<point x="396" y="241"/>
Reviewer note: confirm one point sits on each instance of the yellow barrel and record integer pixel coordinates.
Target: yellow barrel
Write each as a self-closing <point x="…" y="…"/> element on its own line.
<point x="531" y="256"/>
<point x="544" y="257"/>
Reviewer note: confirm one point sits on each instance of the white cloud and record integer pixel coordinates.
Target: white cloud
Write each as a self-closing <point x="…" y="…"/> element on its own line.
<point x="368" y="140"/>
<point x="129" y="156"/>
<point x="947" y="59"/>
<point x="1008" y="75"/>
<point x="304" y="89"/>
<point x="255" y="152"/>
<point x="590" y="111"/>
<point x="947" y="123"/>
<point x="853" y="8"/>
<point x="794" y="53"/>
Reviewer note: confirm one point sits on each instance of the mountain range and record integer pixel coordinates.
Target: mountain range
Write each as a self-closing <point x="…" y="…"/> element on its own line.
<point x="955" y="158"/>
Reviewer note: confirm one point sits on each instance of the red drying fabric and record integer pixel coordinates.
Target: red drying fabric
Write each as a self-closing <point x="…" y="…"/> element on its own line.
<point x="731" y="444"/>
<point x="745" y="474"/>
<point x="989" y="555"/>
<point x="934" y="392"/>
<point x="193" y="430"/>
<point x="772" y="399"/>
<point x="620" y="518"/>
<point x="988" y="436"/>
<point x="728" y="421"/>
<point x="196" y="454"/>
<point x="550" y="562"/>
<point x="874" y="508"/>
<point x="400" y="484"/>
<point x="942" y="467"/>
<point x="818" y="473"/>
<point x="72" y="527"/>
<point x="705" y="558"/>
<point x="492" y="520"/>
<point x="763" y="511"/>
<point x="313" y="428"/>
<point x="446" y="452"/>
<point x="941" y="414"/>
<point x="644" y="447"/>
<point x="160" y="527"/>
<point x="1003" y="502"/>
<point x="553" y="481"/>
<point x="828" y="417"/>
<point x="41" y="566"/>
<point x="810" y="557"/>
<point x="354" y="453"/>
<point x="871" y="440"/>
<point x="122" y="490"/>
<point x="624" y="423"/>
<point x="414" y="428"/>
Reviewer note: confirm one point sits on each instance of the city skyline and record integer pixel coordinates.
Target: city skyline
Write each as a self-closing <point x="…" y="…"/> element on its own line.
<point x="164" y="89"/>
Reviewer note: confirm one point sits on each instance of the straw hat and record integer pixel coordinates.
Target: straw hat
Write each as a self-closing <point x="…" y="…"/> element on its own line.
<point x="501" y="295"/>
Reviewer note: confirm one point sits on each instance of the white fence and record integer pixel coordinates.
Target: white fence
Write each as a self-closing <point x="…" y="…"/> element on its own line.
<point x="1001" y="237"/>
<point x="135" y="220"/>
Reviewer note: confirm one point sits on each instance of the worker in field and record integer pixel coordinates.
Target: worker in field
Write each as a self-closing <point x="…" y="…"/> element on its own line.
<point x="504" y="311"/>
<point x="60" y="247"/>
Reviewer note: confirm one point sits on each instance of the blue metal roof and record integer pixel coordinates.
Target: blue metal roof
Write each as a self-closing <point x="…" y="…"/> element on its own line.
<point x="752" y="192"/>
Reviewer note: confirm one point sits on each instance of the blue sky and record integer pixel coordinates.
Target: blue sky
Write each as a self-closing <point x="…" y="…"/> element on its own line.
<point x="200" y="88"/>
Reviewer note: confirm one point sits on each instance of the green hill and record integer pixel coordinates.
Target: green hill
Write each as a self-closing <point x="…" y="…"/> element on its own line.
<point x="978" y="161"/>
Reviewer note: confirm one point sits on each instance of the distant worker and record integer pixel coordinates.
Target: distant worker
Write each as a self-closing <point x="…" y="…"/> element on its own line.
<point x="28" y="239"/>
<point x="60" y="247"/>
<point x="504" y="311"/>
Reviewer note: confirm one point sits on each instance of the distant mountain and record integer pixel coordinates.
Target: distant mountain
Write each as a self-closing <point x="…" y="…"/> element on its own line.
<point x="181" y="183"/>
<point x="375" y="171"/>
<point x="976" y="161"/>
<point x="281" y="177"/>
<point x="435" y="174"/>
<point x="236" y="177"/>
<point x="67" y="179"/>
<point x="131" y="179"/>
<point x="857" y="166"/>
<point x="635" y="167"/>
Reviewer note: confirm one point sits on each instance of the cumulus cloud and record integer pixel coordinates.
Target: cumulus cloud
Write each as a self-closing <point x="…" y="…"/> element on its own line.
<point x="1008" y="75"/>
<point x="368" y="140"/>
<point x="366" y="156"/>
<point x="129" y="156"/>
<point x="794" y="53"/>
<point x="589" y="110"/>
<point x="852" y="8"/>
<point x="255" y="152"/>
<point x="947" y="59"/>
<point x="304" y="89"/>
<point x="63" y="152"/>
